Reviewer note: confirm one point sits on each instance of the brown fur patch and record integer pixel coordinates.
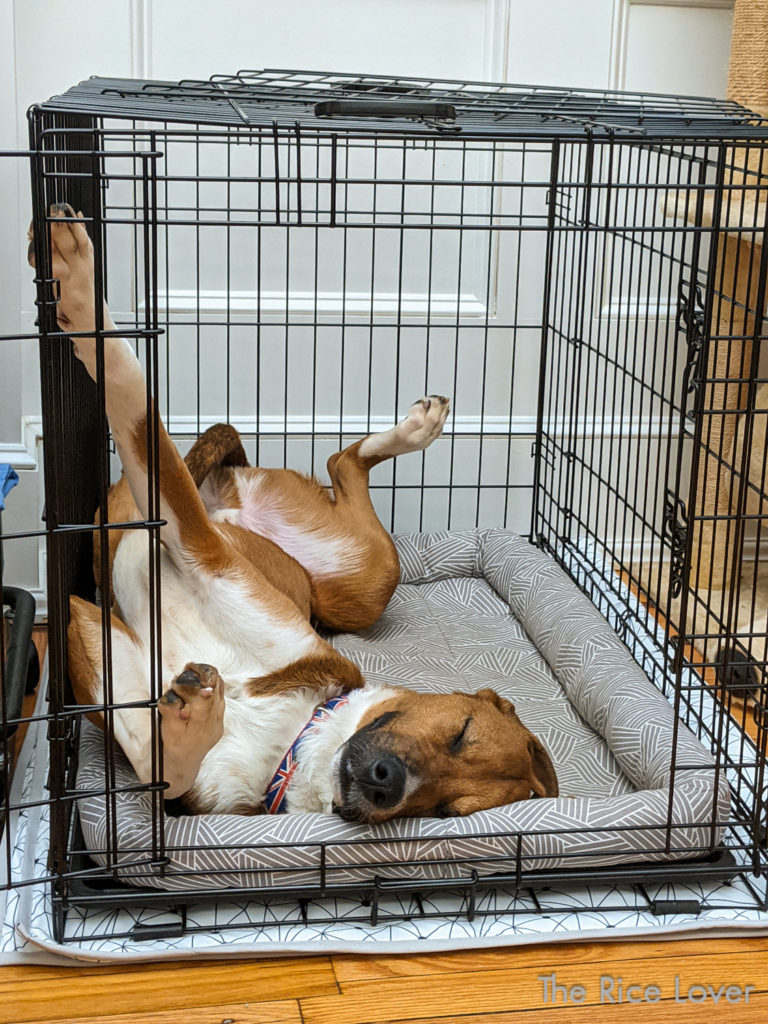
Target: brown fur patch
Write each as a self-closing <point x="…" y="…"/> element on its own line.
<point x="354" y="597"/>
<point x="177" y="487"/>
<point x="220" y="445"/>
<point x="328" y="674"/>
<point x="278" y="568"/>
<point x="191" y="536"/>
<point x="347" y="601"/>
<point x="84" y="651"/>
<point x="355" y="600"/>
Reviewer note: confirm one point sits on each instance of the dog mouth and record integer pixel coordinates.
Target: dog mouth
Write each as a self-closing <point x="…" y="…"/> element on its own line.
<point x="344" y="803"/>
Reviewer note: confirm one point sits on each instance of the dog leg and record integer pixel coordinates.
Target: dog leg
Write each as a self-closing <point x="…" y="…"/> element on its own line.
<point x="133" y="725"/>
<point x="192" y="713"/>
<point x="128" y="409"/>
<point x="232" y="588"/>
<point x="349" y="469"/>
<point x="354" y="597"/>
<point x="423" y="424"/>
<point x="220" y="445"/>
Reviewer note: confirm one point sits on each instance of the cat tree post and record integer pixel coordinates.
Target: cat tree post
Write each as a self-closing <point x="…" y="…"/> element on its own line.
<point x="732" y="326"/>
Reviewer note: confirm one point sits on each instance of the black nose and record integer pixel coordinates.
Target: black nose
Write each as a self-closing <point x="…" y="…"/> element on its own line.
<point x="382" y="780"/>
<point x="189" y="678"/>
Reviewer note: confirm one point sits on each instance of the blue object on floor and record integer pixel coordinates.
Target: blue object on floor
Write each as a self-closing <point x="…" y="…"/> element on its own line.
<point x="8" y="480"/>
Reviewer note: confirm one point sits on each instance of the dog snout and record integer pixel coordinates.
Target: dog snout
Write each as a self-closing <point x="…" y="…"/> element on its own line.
<point x="381" y="780"/>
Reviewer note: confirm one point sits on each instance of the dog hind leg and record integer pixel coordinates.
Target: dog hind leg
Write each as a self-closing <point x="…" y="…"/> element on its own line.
<point x="423" y="424"/>
<point x="354" y="598"/>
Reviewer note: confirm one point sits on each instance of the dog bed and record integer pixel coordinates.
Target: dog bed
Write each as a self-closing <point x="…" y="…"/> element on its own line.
<point x="473" y="609"/>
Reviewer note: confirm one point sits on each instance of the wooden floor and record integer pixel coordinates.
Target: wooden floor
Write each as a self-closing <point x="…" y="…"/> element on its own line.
<point x="493" y="987"/>
<point x="475" y="987"/>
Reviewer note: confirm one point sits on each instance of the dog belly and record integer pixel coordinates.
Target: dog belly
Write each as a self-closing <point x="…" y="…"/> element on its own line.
<point x="322" y="551"/>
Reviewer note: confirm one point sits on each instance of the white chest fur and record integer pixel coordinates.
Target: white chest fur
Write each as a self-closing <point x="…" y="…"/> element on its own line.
<point x="257" y="733"/>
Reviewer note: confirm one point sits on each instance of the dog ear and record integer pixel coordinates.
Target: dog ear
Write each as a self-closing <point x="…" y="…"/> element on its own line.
<point x="543" y="777"/>
<point x="498" y="702"/>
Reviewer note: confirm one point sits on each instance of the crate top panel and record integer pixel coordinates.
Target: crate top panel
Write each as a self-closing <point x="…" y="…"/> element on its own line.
<point x="328" y="102"/>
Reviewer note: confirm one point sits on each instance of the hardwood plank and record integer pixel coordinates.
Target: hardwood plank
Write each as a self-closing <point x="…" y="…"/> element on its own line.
<point x="99" y="994"/>
<point x="351" y="968"/>
<point x="281" y="1012"/>
<point x="482" y="991"/>
<point x="82" y="968"/>
<point x="665" y="1012"/>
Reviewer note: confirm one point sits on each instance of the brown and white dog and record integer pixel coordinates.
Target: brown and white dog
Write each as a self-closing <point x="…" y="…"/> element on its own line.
<point x="248" y="558"/>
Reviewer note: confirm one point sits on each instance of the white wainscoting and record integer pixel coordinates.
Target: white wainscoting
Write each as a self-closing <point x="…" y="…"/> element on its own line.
<point x="594" y="43"/>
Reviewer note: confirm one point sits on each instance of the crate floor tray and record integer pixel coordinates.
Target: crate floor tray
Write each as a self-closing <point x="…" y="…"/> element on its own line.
<point x="474" y="609"/>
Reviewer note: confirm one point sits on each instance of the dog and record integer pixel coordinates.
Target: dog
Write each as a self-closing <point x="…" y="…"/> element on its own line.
<point x="258" y="713"/>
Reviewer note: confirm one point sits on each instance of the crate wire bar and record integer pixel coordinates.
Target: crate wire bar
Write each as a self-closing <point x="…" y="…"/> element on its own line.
<point x="301" y="253"/>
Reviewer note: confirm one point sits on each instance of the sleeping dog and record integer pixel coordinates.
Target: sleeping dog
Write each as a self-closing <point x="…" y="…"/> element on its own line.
<point x="258" y="712"/>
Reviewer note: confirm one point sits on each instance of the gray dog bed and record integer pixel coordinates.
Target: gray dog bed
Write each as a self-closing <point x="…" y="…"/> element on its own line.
<point x="474" y="609"/>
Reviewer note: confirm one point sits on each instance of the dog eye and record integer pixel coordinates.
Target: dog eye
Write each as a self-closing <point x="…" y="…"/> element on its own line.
<point x="443" y="811"/>
<point x="458" y="741"/>
<point x="377" y="723"/>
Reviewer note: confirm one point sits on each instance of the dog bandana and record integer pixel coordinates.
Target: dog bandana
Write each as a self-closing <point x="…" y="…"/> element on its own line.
<point x="275" y="799"/>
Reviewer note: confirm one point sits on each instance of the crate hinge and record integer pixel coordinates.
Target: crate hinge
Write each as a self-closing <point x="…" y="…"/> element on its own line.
<point x="676" y="532"/>
<point x="691" y="321"/>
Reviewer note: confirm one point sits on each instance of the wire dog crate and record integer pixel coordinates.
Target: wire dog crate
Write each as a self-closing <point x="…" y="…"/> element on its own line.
<point x="303" y="254"/>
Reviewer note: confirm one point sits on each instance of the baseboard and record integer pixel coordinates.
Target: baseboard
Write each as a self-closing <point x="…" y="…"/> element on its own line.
<point x="17" y="455"/>
<point x="217" y="302"/>
<point x="41" y="604"/>
<point x="357" y="425"/>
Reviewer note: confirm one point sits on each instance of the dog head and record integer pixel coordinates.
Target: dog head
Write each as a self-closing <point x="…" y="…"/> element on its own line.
<point x="438" y="755"/>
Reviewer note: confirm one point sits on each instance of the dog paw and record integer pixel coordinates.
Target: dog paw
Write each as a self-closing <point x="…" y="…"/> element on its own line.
<point x="72" y="265"/>
<point x="191" y="723"/>
<point x="423" y="424"/>
<point x="192" y="708"/>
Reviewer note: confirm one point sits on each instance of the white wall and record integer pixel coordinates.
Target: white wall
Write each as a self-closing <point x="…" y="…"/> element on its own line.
<point x="46" y="45"/>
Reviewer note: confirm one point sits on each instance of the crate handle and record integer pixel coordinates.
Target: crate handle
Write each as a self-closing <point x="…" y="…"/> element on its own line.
<point x="386" y="108"/>
<point x="18" y="651"/>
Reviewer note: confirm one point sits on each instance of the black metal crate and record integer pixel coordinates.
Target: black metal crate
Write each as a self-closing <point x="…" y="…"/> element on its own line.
<point x="293" y="252"/>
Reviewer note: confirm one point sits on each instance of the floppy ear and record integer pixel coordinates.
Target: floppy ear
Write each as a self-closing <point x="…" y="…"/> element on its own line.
<point x="543" y="778"/>
<point x="499" y="702"/>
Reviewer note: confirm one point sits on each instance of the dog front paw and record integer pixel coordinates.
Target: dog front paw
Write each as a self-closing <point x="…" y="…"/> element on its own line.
<point x="72" y="266"/>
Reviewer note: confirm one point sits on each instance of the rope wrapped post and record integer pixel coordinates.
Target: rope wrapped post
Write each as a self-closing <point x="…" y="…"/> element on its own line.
<point x="726" y="396"/>
<point x="735" y="318"/>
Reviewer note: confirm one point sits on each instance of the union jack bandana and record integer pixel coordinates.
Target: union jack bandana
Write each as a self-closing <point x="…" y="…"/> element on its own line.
<point x="275" y="798"/>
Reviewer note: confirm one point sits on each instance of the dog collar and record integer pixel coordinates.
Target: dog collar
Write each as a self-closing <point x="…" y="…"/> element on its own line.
<point x="277" y="791"/>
